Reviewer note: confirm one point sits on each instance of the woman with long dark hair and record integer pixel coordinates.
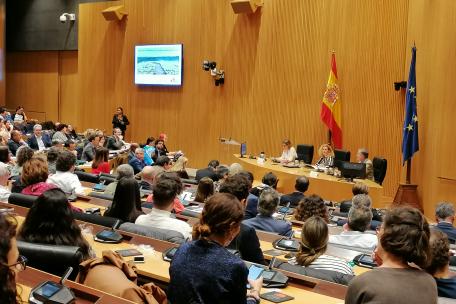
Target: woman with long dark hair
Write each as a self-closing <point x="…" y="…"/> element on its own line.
<point x="126" y="204"/>
<point x="205" y="190"/>
<point x="100" y="163"/>
<point x="120" y="120"/>
<point x="51" y="221"/>
<point x="10" y="261"/>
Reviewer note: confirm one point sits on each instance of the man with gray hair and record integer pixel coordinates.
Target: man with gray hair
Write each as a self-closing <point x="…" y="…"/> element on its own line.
<point x="363" y="157"/>
<point x="444" y="215"/>
<point x="137" y="161"/>
<point x="124" y="170"/>
<point x="267" y="205"/>
<point x="354" y="234"/>
<point x="4" y="176"/>
<point x="39" y="141"/>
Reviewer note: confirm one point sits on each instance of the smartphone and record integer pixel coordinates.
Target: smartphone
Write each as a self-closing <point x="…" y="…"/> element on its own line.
<point x="365" y="260"/>
<point x="48" y="290"/>
<point x="255" y="272"/>
<point x="129" y="252"/>
<point x="138" y="259"/>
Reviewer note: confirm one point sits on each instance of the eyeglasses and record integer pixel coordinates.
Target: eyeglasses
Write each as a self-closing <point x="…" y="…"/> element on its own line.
<point x="20" y="264"/>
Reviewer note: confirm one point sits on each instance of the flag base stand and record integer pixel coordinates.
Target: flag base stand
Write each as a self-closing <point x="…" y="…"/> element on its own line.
<point x="407" y="195"/>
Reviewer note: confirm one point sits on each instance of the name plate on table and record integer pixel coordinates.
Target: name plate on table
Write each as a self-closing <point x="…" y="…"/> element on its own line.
<point x="313" y="174"/>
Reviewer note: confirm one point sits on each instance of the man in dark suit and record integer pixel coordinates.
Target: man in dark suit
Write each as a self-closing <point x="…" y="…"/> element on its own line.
<point x="301" y="186"/>
<point x="444" y="215"/>
<point x="88" y="154"/>
<point x="246" y="242"/>
<point x="209" y="171"/>
<point x="115" y="142"/>
<point x="15" y="142"/>
<point x="137" y="162"/>
<point x="39" y="141"/>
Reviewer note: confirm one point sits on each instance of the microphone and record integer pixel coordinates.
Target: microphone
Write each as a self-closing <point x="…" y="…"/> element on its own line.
<point x="65" y="276"/>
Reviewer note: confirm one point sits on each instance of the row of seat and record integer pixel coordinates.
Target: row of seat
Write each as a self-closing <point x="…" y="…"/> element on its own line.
<point x="306" y="152"/>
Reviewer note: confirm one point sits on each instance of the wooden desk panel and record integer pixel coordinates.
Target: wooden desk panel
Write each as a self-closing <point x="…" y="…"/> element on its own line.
<point x="327" y="186"/>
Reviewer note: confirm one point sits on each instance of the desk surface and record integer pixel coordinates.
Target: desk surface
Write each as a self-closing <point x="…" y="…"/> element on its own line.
<point x="327" y="186"/>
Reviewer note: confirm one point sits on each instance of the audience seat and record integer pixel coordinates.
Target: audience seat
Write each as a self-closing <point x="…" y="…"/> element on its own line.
<point x="105" y="221"/>
<point x="155" y="233"/>
<point x="380" y="165"/>
<point x="189" y="181"/>
<point x="342" y="155"/>
<point x="22" y="200"/>
<point x="87" y="177"/>
<point x="305" y="153"/>
<point x="327" y="275"/>
<point x="54" y="259"/>
<point x="101" y="195"/>
<point x="106" y="179"/>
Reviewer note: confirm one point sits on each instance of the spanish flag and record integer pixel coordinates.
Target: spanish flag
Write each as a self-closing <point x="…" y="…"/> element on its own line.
<point x="331" y="110"/>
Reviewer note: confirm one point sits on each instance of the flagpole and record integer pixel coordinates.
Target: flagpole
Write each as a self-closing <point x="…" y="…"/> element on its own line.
<point x="329" y="137"/>
<point x="409" y="171"/>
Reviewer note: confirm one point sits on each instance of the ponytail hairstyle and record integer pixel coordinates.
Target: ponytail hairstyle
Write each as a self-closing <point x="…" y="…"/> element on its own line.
<point x="405" y="234"/>
<point x="221" y="212"/>
<point x="314" y="240"/>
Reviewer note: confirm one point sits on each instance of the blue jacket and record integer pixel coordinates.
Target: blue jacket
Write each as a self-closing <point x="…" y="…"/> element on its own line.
<point x="448" y="229"/>
<point x="251" y="209"/>
<point x="269" y="224"/>
<point x="33" y="143"/>
<point x="137" y="164"/>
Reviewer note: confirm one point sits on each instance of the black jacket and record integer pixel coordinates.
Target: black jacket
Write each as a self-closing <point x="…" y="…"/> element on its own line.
<point x="33" y="143"/>
<point x="113" y="144"/>
<point x="206" y="172"/>
<point x="122" y="125"/>
<point x="248" y="245"/>
<point x="292" y="198"/>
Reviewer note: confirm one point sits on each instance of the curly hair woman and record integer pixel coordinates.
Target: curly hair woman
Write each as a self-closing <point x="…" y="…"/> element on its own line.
<point x="311" y="206"/>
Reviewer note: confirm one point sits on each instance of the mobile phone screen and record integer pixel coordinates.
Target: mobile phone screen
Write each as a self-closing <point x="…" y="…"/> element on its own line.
<point x="255" y="272"/>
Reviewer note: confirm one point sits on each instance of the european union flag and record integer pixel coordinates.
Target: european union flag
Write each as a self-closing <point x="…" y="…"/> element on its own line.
<point x="410" y="138"/>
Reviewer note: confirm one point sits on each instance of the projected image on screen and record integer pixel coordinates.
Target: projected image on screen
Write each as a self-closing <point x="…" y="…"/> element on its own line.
<point x="158" y="64"/>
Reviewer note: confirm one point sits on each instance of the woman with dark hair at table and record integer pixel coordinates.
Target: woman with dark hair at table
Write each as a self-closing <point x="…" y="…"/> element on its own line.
<point x="204" y="271"/>
<point x="126" y="204"/>
<point x="51" y="221"/>
<point x="10" y="261"/>
<point x="120" y="120"/>
<point x="205" y="190"/>
<point x="100" y="163"/>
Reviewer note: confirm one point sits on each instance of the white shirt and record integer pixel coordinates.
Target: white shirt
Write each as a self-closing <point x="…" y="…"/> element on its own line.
<point x="67" y="181"/>
<point x="162" y="219"/>
<point x="40" y="142"/>
<point x="4" y="194"/>
<point x="289" y="155"/>
<point x="354" y="239"/>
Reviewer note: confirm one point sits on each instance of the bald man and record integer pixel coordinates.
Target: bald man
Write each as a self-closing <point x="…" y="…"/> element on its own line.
<point x="148" y="175"/>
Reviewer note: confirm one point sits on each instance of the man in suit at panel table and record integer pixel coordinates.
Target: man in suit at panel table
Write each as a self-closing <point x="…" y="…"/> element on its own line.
<point x="301" y="186"/>
<point x="444" y="215"/>
<point x="209" y="171"/>
<point x="363" y="157"/>
<point x="88" y="154"/>
<point x="39" y="140"/>
<point x="115" y="142"/>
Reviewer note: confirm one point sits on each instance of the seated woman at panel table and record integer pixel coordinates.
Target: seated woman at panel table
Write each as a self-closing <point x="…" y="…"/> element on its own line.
<point x="10" y="261"/>
<point x="204" y="271"/>
<point x="51" y="221"/>
<point x="403" y="246"/>
<point x="288" y="152"/>
<point x="126" y="204"/>
<point x="326" y="154"/>
<point x="314" y="242"/>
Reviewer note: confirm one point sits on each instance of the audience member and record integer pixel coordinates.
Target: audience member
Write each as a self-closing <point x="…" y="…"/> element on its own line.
<point x="204" y="269"/>
<point x="131" y="152"/>
<point x="209" y="171"/>
<point x="358" y="188"/>
<point x="246" y="242"/>
<point x="149" y="150"/>
<point x="126" y="204"/>
<point x="5" y="114"/>
<point x="137" y="162"/>
<point x="148" y="175"/>
<point x="64" y="178"/>
<point x="52" y="155"/>
<point x="235" y="168"/>
<point x="100" y="163"/>
<point x="164" y="162"/>
<point x="354" y="234"/>
<point x="51" y="221"/>
<point x="178" y="207"/>
<point x="4" y="177"/>
<point x="205" y="190"/>
<point x="61" y="133"/>
<point x="439" y="266"/>
<point x="71" y="133"/>
<point x="23" y="154"/>
<point x="115" y="142"/>
<point x="15" y="142"/>
<point x="179" y="166"/>
<point x="363" y="157"/>
<point x="314" y="242"/>
<point x="160" y="149"/>
<point x="19" y="116"/>
<point x="88" y="153"/>
<point x="34" y="176"/>
<point x="267" y="205"/>
<point x="39" y="140"/>
<point x="444" y="215"/>
<point x="301" y="186"/>
<point x="102" y="142"/>
<point x="164" y="193"/>
<point x="124" y="170"/>
<point x="222" y="172"/>
<point x="311" y="206"/>
<point x="58" y="143"/>
<point x="251" y="208"/>
<point x="70" y="145"/>
<point x="403" y="242"/>
<point x="5" y="155"/>
<point x="269" y="180"/>
<point x="10" y="261"/>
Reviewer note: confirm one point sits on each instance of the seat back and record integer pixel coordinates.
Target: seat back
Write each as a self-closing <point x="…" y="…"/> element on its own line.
<point x="305" y="153"/>
<point x="105" y="221"/>
<point x="156" y="233"/>
<point x="87" y="177"/>
<point x="101" y="195"/>
<point x="380" y="165"/>
<point x="106" y="179"/>
<point x="22" y="200"/>
<point x="189" y="181"/>
<point x="342" y="155"/>
<point x="54" y="259"/>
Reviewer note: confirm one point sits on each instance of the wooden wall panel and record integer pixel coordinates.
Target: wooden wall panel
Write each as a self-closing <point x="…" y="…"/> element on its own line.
<point x="2" y="52"/>
<point x="68" y="87"/>
<point x="276" y="63"/>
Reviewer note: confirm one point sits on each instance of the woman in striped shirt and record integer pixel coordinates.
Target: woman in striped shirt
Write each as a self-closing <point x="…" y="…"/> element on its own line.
<point x="314" y="241"/>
